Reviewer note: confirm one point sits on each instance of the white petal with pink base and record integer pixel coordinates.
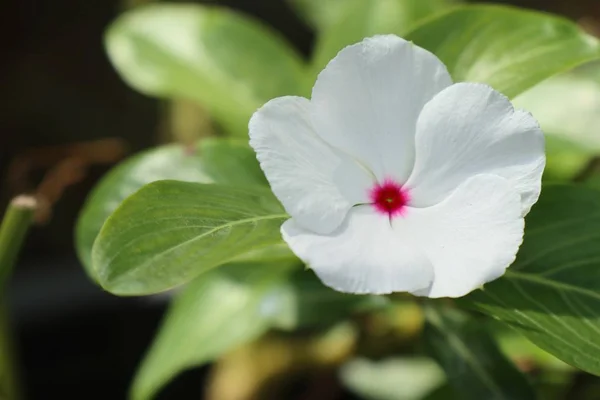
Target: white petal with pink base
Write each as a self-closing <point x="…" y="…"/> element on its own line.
<point x="397" y="180"/>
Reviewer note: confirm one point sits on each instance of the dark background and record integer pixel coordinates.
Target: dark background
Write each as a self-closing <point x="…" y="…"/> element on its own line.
<point x="57" y="86"/>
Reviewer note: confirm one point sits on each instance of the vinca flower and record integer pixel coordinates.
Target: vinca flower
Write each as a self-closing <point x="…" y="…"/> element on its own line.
<point x="396" y="179"/>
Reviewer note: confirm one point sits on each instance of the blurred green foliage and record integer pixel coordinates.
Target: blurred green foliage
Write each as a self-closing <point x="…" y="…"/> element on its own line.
<point x="475" y="367"/>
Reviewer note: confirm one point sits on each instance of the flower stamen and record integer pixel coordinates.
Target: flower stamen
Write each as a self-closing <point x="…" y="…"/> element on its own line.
<point x="389" y="198"/>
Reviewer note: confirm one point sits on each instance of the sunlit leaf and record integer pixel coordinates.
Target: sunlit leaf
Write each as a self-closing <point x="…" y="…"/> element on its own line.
<point x="324" y="14"/>
<point x="510" y="49"/>
<point x="352" y="20"/>
<point x="568" y="109"/>
<point x="567" y="106"/>
<point x="474" y="365"/>
<point x="320" y="13"/>
<point x="565" y="158"/>
<point x="215" y="313"/>
<point x="551" y="294"/>
<point x="226" y="61"/>
<point x="213" y="160"/>
<point x="169" y="232"/>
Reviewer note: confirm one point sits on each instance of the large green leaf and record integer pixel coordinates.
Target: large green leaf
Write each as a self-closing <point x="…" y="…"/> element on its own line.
<point x="551" y="294"/>
<point x="169" y="232"/>
<point x="213" y="160"/>
<point x="352" y="20"/>
<point x="228" y="62"/>
<point x="508" y="48"/>
<point x="215" y="313"/>
<point x="473" y="363"/>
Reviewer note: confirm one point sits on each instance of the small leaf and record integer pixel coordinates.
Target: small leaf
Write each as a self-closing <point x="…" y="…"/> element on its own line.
<point x="474" y="365"/>
<point x="215" y="313"/>
<point x="393" y="378"/>
<point x="508" y="48"/>
<point x="169" y="232"/>
<point x="352" y="20"/>
<point x="551" y="294"/>
<point x="226" y="61"/>
<point x="213" y="160"/>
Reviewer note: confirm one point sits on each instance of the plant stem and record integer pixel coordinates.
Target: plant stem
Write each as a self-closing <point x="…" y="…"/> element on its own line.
<point x="16" y="222"/>
<point x="14" y="227"/>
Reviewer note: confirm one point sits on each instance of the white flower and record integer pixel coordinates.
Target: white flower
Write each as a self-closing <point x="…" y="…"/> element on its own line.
<point x="396" y="179"/>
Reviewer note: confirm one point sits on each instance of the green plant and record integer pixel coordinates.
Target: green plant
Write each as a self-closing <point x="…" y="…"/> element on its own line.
<point x="205" y="219"/>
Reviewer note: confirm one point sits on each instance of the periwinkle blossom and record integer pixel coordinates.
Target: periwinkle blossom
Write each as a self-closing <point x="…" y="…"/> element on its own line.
<point x="396" y="179"/>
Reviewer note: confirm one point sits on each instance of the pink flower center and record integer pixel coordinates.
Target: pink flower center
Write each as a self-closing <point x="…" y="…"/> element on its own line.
<point x="389" y="198"/>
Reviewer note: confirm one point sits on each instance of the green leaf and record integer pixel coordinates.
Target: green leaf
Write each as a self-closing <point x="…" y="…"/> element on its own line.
<point x="276" y="252"/>
<point x="567" y="106"/>
<point x="305" y="302"/>
<point x="231" y="162"/>
<point x="169" y="232"/>
<point x="358" y="19"/>
<point x="408" y="378"/>
<point x="215" y="313"/>
<point x="213" y="160"/>
<point x="474" y="365"/>
<point x="518" y="348"/>
<point x="564" y="158"/>
<point x="385" y="14"/>
<point x="443" y="392"/>
<point x="551" y="294"/>
<point x="320" y="14"/>
<point x="226" y="61"/>
<point x="508" y="48"/>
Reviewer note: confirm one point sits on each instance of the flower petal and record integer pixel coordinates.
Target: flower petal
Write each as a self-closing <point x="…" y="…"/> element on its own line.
<point x="368" y="98"/>
<point x="364" y="255"/>
<point x="471" y="237"/>
<point x="470" y="129"/>
<point x="316" y="184"/>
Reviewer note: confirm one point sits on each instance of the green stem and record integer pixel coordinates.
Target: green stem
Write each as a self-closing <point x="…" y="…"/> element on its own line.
<point x="15" y="224"/>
